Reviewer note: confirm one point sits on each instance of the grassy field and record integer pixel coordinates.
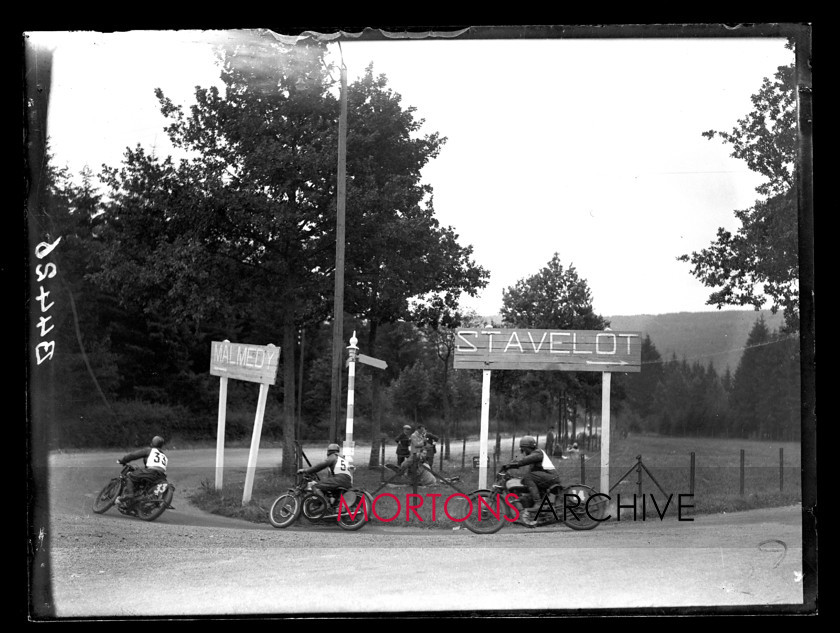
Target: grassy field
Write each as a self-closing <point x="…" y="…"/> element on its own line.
<point x="717" y="476"/>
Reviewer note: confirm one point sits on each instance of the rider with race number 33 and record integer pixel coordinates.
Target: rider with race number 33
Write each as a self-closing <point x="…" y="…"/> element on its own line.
<point x="154" y="470"/>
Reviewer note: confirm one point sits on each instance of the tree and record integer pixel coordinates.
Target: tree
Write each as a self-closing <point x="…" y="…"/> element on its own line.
<point x="764" y="401"/>
<point x="412" y="392"/>
<point x="556" y="297"/>
<point x="397" y="248"/>
<point x="242" y="231"/>
<point x="759" y="263"/>
<point x="640" y="387"/>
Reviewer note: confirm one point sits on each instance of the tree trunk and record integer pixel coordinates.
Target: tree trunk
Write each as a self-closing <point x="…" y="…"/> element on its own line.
<point x="375" y="403"/>
<point x="288" y="353"/>
<point x="446" y="413"/>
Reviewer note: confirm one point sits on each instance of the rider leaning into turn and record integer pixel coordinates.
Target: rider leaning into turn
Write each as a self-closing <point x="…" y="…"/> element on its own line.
<point x="153" y="471"/>
<point x="541" y="474"/>
<point x="340" y="468"/>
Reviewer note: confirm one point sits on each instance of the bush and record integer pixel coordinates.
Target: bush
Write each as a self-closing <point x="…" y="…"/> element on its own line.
<point x="130" y="423"/>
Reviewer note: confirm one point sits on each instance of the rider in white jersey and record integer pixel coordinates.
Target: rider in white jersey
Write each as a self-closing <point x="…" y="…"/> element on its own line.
<point x="340" y="469"/>
<point x="154" y="470"/>
<point x="541" y="475"/>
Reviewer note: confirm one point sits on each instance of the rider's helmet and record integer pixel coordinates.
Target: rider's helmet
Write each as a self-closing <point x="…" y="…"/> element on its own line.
<point x="528" y="443"/>
<point x="333" y="448"/>
<point x="157" y="442"/>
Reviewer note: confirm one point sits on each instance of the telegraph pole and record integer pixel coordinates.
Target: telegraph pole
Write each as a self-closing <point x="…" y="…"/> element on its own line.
<point x="338" y="307"/>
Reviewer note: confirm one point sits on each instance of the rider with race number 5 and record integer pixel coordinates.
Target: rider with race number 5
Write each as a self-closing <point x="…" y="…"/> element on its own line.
<point x="153" y="471"/>
<point x="339" y="467"/>
<point x="541" y="474"/>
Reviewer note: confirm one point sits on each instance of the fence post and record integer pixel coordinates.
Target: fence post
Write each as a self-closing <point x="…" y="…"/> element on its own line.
<point x="582" y="469"/>
<point x="639" y="475"/>
<point x="691" y="476"/>
<point x="781" y="469"/>
<point x="741" y="489"/>
<point x="463" y="453"/>
<point x="512" y="445"/>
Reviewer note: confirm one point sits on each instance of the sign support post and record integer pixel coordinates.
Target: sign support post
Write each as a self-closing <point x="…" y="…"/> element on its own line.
<point x="606" y="379"/>
<point x="485" y="429"/>
<point x="255" y="444"/>
<point x="220" y="433"/>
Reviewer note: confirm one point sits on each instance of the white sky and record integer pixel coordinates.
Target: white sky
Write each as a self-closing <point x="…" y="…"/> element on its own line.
<point x="588" y="148"/>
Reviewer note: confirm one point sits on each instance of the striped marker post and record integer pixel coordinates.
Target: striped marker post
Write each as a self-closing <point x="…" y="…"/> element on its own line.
<point x="351" y="384"/>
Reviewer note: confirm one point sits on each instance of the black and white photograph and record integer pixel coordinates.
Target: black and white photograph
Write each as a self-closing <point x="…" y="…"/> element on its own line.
<point x="418" y="322"/>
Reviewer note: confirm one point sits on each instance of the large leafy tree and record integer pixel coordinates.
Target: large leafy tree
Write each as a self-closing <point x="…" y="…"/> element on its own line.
<point x="241" y="232"/>
<point x="555" y="297"/>
<point x="397" y="249"/>
<point x="759" y="262"/>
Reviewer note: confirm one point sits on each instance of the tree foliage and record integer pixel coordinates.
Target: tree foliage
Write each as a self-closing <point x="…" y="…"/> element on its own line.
<point x="759" y="263"/>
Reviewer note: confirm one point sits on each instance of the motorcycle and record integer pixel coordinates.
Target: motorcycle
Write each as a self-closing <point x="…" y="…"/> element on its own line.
<point x="577" y="506"/>
<point x="302" y="499"/>
<point x="148" y="503"/>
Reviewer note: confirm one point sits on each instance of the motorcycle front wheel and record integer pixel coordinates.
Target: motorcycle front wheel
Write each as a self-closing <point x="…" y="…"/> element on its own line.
<point x="284" y="511"/>
<point x="486" y="512"/>
<point x="107" y="496"/>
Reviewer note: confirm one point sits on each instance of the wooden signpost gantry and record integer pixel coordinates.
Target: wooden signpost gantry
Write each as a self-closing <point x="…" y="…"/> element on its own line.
<point x="254" y="363"/>
<point x="606" y="351"/>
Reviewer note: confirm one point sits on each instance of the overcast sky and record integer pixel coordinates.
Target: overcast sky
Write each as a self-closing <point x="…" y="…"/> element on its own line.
<point x="588" y="148"/>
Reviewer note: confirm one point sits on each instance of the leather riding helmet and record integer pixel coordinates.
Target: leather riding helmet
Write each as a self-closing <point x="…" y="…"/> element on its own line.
<point x="157" y="442"/>
<point x="529" y="441"/>
<point x="333" y="448"/>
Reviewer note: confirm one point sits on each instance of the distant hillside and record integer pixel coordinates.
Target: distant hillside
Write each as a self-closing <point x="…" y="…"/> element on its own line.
<point x="718" y="336"/>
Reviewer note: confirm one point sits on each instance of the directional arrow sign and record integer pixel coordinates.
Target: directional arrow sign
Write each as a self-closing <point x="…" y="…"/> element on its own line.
<point x="557" y="350"/>
<point x="373" y="362"/>
<point x="607" y="362"/>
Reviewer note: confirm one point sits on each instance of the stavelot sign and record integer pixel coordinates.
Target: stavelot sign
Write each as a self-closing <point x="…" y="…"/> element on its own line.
<point x="557" y="350"/>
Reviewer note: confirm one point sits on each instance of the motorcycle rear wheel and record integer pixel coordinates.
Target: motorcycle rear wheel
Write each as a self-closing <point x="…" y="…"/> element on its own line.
<point x="345" y="517"/>
<point x="107" y="496"/>
<point x="588" y="512"/>
<point x="150" y="509"/>
<point x="481" y="519"/>
<point x="285" y="510"/>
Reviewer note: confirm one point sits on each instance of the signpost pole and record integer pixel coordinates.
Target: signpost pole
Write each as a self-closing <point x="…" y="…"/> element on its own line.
<point x="220" y="432"/>
<point x="351" y="385"/>
<point x="255" y="444"/>
<point x="485" y="429"/>
<point x="605" y="431"/>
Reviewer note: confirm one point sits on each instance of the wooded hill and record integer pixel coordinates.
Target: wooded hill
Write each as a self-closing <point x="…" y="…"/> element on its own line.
<point x="718" y="337"/>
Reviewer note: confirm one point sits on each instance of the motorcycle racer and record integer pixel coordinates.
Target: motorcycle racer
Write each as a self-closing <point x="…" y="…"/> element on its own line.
<point x="340" y="469"/>
<point x="153" y="471"/>
<point x="541" y="474"/>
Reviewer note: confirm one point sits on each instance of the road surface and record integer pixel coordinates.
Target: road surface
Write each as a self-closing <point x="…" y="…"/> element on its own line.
<point x="190" y="563"/>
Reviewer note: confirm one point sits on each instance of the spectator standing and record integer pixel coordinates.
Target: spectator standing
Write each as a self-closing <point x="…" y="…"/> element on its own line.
<point x="403" y="444"/>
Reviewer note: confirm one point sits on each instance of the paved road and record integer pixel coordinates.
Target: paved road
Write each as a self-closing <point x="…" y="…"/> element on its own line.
<point x="191" y="563"/>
